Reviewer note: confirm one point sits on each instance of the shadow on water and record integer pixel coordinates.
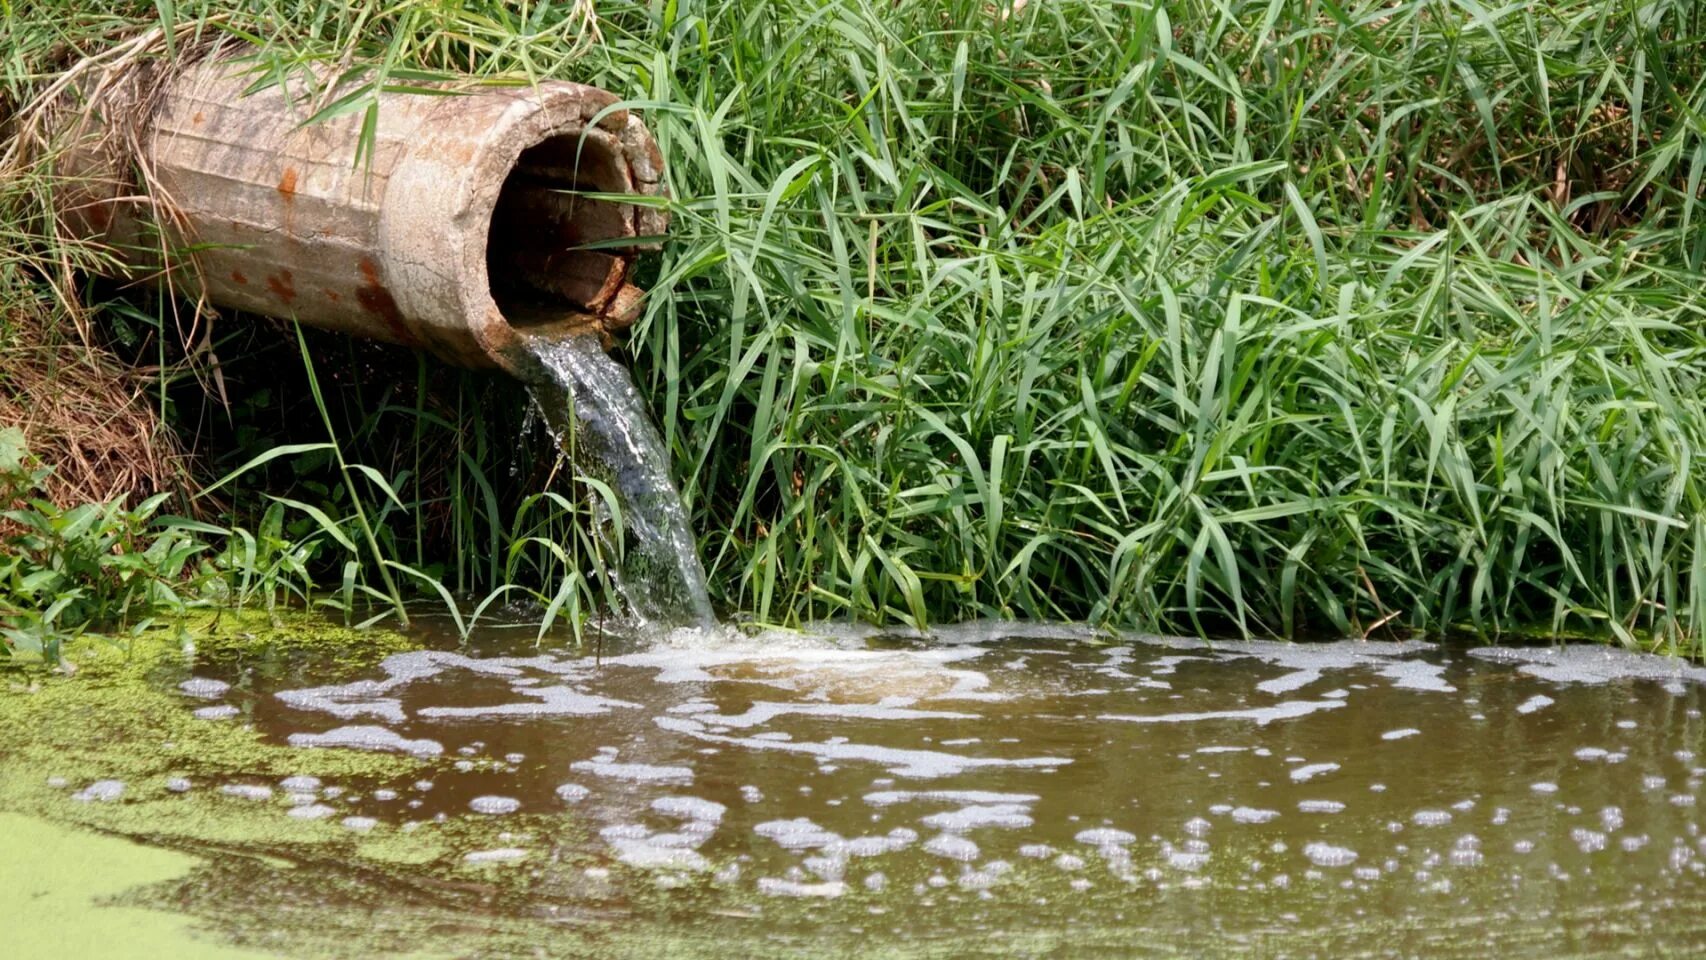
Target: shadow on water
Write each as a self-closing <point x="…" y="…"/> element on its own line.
<point x="1011" y="789"/>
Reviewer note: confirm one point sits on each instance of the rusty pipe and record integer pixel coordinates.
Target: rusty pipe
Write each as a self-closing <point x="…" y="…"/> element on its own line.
<point x="456" y="228"/>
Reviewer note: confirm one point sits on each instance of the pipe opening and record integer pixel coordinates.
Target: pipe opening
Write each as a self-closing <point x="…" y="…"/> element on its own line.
<point x="536" y="262"/>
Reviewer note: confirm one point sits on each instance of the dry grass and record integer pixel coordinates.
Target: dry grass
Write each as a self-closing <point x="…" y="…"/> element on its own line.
<point x="88" y="416"/>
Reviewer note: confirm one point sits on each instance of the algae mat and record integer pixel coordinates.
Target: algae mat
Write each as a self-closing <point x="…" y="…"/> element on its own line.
<point x="67" y="890"/>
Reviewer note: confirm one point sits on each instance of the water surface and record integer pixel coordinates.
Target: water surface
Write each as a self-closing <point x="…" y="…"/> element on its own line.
<point x="1012" y="790"/>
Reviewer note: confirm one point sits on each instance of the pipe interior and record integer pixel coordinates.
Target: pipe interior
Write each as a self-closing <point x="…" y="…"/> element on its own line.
<point x="535" y="261"/>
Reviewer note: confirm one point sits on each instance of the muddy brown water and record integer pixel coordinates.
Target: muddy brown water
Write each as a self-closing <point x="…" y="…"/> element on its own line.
<point x="1036" y="790"/>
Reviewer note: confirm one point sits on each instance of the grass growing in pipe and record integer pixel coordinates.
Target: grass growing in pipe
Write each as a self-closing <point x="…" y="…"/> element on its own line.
<point x="1266" y="317"/>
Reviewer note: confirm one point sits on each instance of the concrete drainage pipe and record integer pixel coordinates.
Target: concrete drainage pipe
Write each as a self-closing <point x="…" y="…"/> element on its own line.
<point x="455" y="234"/>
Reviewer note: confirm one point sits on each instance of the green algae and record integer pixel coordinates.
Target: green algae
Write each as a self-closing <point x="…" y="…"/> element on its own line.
<point x="62" y="884"/>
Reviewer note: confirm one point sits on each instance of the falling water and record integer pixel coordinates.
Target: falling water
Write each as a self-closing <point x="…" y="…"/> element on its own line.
<point x="593" y="410"/>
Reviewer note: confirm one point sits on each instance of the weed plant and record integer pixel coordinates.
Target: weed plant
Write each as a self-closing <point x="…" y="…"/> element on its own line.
<point x="1257" y="316"/>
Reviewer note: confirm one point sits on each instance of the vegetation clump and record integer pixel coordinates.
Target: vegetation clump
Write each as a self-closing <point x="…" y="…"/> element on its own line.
<point x="1260" y="317"/>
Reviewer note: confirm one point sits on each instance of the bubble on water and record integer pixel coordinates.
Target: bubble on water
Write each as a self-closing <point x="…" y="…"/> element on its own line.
<point x="1069" y="862"/>
<point x="826" y="868"/>
<point x="1329" y="855"/>
<point x="1539" y="701"/>
<point x="777" y="887"/>
<point x="359" y="824"/>
<point x="1544" y="787"/>
<point x="572" y="793"/>
<point x="178" y="784"/>
<point x="886" y="798"/>
<point x="1590" y="754"/>
<point x="384" y="794"/>
<point x="751" y="794"/>
<point x="1253" y="815"/>
<point x="1400" y="733"/>
<point x="1682" y="800"/>
<point x="1105" y="837"/>
<point x="367" y="738"/>
<point x="553" y="701"/>
<point x="875" y="881"/>
<point x="1627" y="724"/>
<point x="311" y="811"/>
<point x="952" y="846"/>
<point x="1523" y="846"/>
<point x="223" y="711"/>
<point x="1261" y="716"/>
<point x="498" y="855"/>
<point x="1320" y="806"/>
<point x="101" y="791"/>
<point x="300" y="784"/>
<point x="1005" y="815"/>
<point x="1366" y="874"/>
<point x="1611" y="818"/>
<point x="647" y="855"/>
<point x="1589" y="841"/>
<point x="1630" y="844"/>
<point x="247" y="791"/>
<point x="603" y="766"/>
<point x="797" y="834"/>
<point x="1431" y="818"/>
<point x="690" y="808"/>
<point x="1310" y="771"/>
<point x="494" y="805"/>
<point x="204" y="688"/>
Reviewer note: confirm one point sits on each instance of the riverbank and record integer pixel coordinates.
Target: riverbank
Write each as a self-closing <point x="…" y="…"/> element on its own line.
<point x="1264" y="318"/>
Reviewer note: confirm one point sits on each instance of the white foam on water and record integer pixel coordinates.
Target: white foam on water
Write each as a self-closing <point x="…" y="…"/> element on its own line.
<point x="646" y="855"/>
<point x="1310" y="771"/>
<point x="690" y="808"/>
<point x="777" y="887"/>
<point x="1006" y="815"/>
<point x="101" y="791"/>
<point x="1591" y="664"/>
<point x="204" y="688"/>
<point x="310" y="811"/>
<point x="1253" y="815"/>
<point x="367" y="738"/>
<point x="178" y="784"/>
<point x="1400" y="734"/>
<point x="1431" y="818"/>
<point x="952" y="846"/>
<point x="300" y="784"/>
<point x="247" y="791"/>
<point x="1104" y="837"/>
<point x="554" y="701"/>
<point x="222" y="711"/>
<point x="919" y="764"/>
<point x="885" y="798"/>
<point x="498" y="855"/>
<point x="1539" y="701"/>
<point x="572" y="793"/>
<point x="763" y="712"/>
<point x="1261" y="716"/>
<point x="1329" y="855"/>
<point x="494" y="805"/>
<point x="797" y="834"/>
<point x="1320" y="806"/>
<point x="633" y="772"/>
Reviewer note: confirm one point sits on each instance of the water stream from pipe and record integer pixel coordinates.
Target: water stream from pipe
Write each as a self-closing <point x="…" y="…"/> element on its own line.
<point x="597" y="416"/>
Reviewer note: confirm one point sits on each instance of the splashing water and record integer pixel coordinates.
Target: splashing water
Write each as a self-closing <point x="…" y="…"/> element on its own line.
<point x="594" y="412"/>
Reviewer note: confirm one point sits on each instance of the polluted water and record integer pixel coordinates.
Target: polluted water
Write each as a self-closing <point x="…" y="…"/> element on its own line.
<point x="598" y="418"/>
<point x="993" y="789"/>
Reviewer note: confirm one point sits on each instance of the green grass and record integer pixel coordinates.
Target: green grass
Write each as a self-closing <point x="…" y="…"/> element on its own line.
<point x="1269" y="317"/>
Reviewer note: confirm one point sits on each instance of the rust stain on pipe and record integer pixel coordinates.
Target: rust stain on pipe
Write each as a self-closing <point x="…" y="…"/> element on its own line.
<point x="462" y="230"/>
